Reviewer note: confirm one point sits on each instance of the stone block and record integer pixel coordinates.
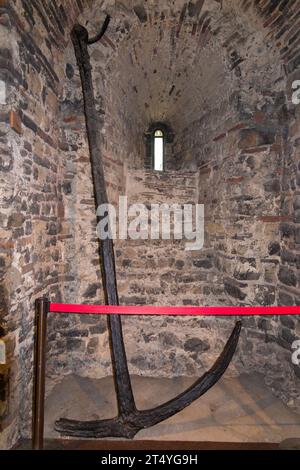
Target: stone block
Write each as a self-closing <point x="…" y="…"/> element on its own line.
<point x="196" y="345"/>
<point x="287" y="276"/>
<point x="285" y="299"/>
<point x="234" y="290"/>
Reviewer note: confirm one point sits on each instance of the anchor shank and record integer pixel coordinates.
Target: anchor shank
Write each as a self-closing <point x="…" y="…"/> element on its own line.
<point x="125" y="398"/>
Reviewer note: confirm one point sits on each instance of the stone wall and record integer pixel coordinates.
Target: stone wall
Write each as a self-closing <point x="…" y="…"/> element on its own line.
<point x="32" y="177"/>
<point x="162" y="272"/>
<point x="246" y="153"/>
<point x="220" y="74"/>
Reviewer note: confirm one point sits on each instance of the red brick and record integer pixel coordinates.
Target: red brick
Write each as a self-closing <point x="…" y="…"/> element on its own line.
<point x="220" y="136"/>
<point x="237" y="127"/>
<point x="272" y="18"/>
<point x="70" y="119"/>
<point x="274" y="218"/>
<point x="235" y="180"/>
<point x="15" y="122"/>
<point x="276" y="147"/>
<point x="259" y="116"/>
<point x="257" y="149"/>
<point x="6" y="244"/>
<point x="60" y="210"/>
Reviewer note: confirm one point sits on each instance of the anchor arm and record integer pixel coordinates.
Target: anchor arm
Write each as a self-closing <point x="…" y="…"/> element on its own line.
<point x="128" y="426"/>
<point x="101" y="33"/>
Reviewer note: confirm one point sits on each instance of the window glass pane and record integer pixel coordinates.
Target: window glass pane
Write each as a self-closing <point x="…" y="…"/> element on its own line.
<point x="158" y="153"/>
<point x="158" y="133"/>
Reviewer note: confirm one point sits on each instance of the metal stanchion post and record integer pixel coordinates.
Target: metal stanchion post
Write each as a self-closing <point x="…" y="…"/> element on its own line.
<point x="41" y="311"/>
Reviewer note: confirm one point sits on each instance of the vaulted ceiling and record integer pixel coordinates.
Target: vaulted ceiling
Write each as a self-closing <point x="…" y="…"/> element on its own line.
<point x="174" y="60"/>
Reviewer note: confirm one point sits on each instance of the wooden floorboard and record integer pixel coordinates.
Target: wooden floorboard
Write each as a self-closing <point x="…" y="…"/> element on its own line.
<point x="75" y="444"/>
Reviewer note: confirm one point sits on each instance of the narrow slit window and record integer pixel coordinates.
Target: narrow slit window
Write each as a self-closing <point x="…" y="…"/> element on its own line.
<point x="158" y="150"/>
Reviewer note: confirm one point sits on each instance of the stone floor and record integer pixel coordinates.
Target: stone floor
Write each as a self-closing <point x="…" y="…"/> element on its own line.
<point x="235" y="410"/>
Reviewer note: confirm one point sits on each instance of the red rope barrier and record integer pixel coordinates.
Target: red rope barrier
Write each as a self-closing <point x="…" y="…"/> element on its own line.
<point x="158" y="310"/>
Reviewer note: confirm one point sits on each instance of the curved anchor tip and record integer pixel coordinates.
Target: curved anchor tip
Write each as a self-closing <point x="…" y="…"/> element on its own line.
<point x="128" y="426"/>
